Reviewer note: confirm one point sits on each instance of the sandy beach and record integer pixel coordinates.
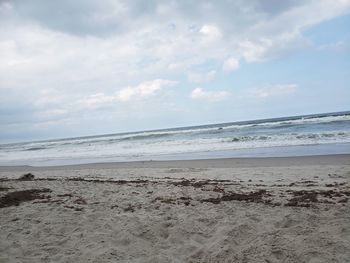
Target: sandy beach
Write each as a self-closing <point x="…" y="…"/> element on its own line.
<point x="290" y="209"/>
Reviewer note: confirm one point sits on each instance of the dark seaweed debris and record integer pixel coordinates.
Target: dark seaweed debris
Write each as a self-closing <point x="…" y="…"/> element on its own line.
<point x="256" y="197"/>
<point x="65" y="195"/>
<point x="200" y="183"/>
<point x="305" y="198"/>
<point x="81" y="179"/>
<point x="16" y="198"/>
<point x="4" y="189"/>
<point x="26" y="177"/>
<point x="80" y="201"/>
<point x="180" y="200"/>
<point x="74" y="208"/>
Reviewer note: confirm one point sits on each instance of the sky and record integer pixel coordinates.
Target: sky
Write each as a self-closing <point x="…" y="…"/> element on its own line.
<point x="84" y="67"/>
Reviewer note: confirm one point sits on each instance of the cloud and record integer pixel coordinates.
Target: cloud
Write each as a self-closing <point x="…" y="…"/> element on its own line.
<point x="93" y="52"/>
<point x="121" y="38"/>
<point x="282" y="34"/>
<point x="74" y="17"/>
<point x="230" y="64"/>
<point x="211" y="96"/>
<point x="212" y="32"/>
<point x="144" y="89"/>
<point x="273" y="90"/>
<point x="341" y="45"/>
<point x="196" y="77"/>
<point x="96" y="100"/>
<point x="267" y="48"/>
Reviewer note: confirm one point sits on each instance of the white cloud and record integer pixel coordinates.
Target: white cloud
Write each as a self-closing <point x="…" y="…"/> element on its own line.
<point x="96" y="100"/>
<point x="341" y="45"/>
<point x="267" y="48"/>
<point x="211" y="96"/>
<point x="273" y="90"/>
<point x="196" y="77"/>
<point x="212" y="32"/>
<point x="230" y="64"/>
<point x="144" y="89"/>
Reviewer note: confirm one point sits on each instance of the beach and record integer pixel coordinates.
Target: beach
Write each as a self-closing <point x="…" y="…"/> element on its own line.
<point x="290" y="209"/>
<point x="175" y="131"/>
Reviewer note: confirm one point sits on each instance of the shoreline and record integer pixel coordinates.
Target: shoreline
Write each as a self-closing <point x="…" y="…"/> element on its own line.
<point x="331" y="159"/>
<point x="259" y="152"/>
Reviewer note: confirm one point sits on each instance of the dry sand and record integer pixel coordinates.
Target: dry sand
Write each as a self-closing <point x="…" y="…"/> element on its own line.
<point x="227" y="210"/>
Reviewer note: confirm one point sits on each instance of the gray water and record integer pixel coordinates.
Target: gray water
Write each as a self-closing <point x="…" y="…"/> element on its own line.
<point x="289" y="136"/>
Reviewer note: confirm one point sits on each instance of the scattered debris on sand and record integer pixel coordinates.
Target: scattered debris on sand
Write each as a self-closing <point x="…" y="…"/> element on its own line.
<point x="304" y="198"/>
<point x="256" y="197"/>
<point x="4" y="189"/>
<point x="225" y="191"/>
<point x="26" y="177"/>
<point x="17" y="197"/>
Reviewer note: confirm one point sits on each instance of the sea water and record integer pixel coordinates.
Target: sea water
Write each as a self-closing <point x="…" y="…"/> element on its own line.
<point x="289" y="136"/>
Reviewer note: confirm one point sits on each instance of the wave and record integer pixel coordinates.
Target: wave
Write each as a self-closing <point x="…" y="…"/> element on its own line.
<point x="290" y="136"/>
<point x="228" y="136"/>
<point x="35" y="148"/>
<point x="143" y="148"/>
<point x="144" y="137"/>
<point x="221" y="128"/>
<point x="128" y="142"/>
<point x="208" y="130"/>
<point x="300" y="121"/>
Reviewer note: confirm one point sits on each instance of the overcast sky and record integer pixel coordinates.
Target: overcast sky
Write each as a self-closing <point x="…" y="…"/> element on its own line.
<point x="82" y="67"/>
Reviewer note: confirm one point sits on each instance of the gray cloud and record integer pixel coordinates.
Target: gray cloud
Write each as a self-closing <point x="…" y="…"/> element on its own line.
<point x="75" y="17"/>
<point x="100" y="18"/>
<point x="276" y="6"/>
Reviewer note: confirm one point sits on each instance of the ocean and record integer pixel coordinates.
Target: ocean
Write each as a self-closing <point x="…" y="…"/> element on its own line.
<point x="316" y="134"/>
